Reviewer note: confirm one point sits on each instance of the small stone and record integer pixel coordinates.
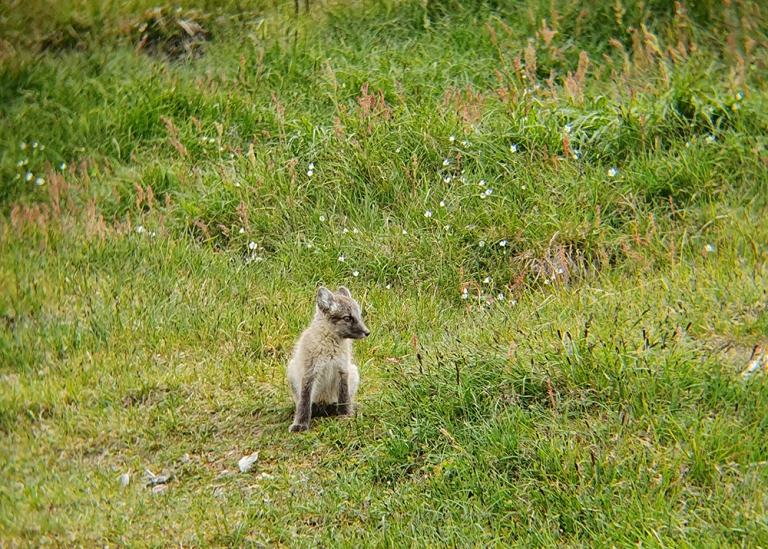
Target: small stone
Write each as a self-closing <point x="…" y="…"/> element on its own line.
<point x="246" y="463"/>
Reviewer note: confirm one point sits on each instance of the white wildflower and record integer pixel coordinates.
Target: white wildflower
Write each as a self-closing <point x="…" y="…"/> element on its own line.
<point x="63" y="166"/>
<point x="428" y="213"/>
<point x="242" y="230"/>
<point x="575" y="155"/>
<point x="710" y="139"/>
<point x="204" y="138"/>
<point x="42" y="147"/>
<point x="322" y="218"/>
<point x="482" y="183"/>
<point x="446" y="162"/>
<point x="447" y="179"/>
<point x="465" y="143"/>
<point x="489" y="192"/>
<point x="447" y="227"/>
<point x="40" y="181"/>
<point x="29" y="176"/>
<point x="34" y="145"/>
<point x="568" y="128"/>
<point x="252" y="245"/>
<point x="612" y="172"/>
<point x="140" y="229"/>
<point x="503" y="243"/>
<point x="355" y="273"/>
<point x="513" y="148"/>
<point x="442" y="203"/>
<point x="18" y="176"/>
<point x="559" y="271"/>
<point x="709" y="248"/>
<point x="500" y="297"/>
<point x="389" y="286"/>
<point x="221" y="149"/>
<point x="405" y="232"/>
<point x="355" y="230"/>
<point x="309" y="244"/>
<point x="310" y="173"/>
<point x="487" y="280"/>
<point x="688" y="144"/>
<point x="481" y="243"/>
<point x="452" y="138"/>
<point x="341" y="257"/>
<point x="23" y="145"/>
<point x="237" y="183"/>
<point x="739" y="95"/>
<point x="344" y="230"/>
<point x="546" y="281"/>
<point x="397" y="150"/>
<point x="311" y="165"/>
<point x="524" y="187"/>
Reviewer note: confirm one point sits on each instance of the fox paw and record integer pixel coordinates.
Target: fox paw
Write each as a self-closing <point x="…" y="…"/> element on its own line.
<point x="298" y="428"/>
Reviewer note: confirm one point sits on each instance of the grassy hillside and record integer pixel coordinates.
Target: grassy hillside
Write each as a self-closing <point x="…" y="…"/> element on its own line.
<point x="555" y="216"/>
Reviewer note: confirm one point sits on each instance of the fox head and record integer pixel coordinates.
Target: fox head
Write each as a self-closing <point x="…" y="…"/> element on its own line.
<point x="342" y="312"/>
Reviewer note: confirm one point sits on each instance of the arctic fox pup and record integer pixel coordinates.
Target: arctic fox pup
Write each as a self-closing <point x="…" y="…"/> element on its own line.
<point x="321" y="372"/>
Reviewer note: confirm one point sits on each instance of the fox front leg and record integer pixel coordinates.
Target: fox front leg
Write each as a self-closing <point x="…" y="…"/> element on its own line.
<point x="304" y="407"/>
<point x="344" y="407"/>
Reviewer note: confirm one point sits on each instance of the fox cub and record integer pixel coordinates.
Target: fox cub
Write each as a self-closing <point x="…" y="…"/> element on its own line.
<point x="320" y="372"/>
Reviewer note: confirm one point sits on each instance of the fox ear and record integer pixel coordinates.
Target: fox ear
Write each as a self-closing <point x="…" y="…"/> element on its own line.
<point x="344" y="291"/>
<point x="325" y="300"/>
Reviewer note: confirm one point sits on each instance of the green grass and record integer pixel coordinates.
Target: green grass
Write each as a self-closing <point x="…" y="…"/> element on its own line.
<point x="560" y="242"/>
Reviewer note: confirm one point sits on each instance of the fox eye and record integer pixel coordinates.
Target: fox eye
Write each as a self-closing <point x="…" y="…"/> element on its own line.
<point x="347" y="318"/>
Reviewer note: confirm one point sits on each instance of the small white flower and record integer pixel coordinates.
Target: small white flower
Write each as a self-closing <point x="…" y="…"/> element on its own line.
<point x="42" y="147"/>
<point x="503" y="243"/>
<point x="140" y="229"/>
<point x="559" y="271"/>
<point x="446" y="162"/>
<point x="452" y="138"/>
<point x="23" y="145"/>
<point x="524" y="187"/>
<point x="546" y="281"/>
<point x="513" y="302"/>
<point x="568" y="128"/>
<point x="688" y="144"/>
<point x="34" y="145"/>
<point x="231" y="155"/>
<point x="447" y="227"/>
<point x="709" y="248"/>
<point x="428" y="213"/>
<point x="40" y="181"/>
<point x="204" y="138"/>
<point x="355" y="273"/>
<point x="322" y="218"/>
<point x="500" y="297"/>
<point x="513" y="148"/>
<point x="464" y="295"/>
<point x="311" y="165"/>
<point x="63" y="166"/>
<point x="612" y="172"/>
<point x="18" y="176"/>
<point x="489" y="192"/>
<point x="344" y="230"/>
<point x="442" y="203"/>
<point x="482" y="182"/>
<point x="252" y="245"/>
<point x="481" y="243"/>
<point x="710" y="139"/>
<point x="237" y="183"/>
<point x="20" y="163"/>
<point x="153" y="233"/>
<point x="355" y="230"/>
<point x="29" y="176"/>
<point x="389" y="286"/>
<point x="482" y="194"/>
<point x="242" y="230"/>
<point x="405" y="232"/>
<point x="447" y="179"/>
<point x="397" y="150"/>
<point x="221" y="149"/>
<point x="310" y="173"/>
<point x="341" y="257"/>
<point x="575" y="155"/>
<point x="736" y="106"/>
<point x="487" y="280"/>
<point x="465" y="143"/>
<point x="739" y="95"/>
<point x="309" y="244"/>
